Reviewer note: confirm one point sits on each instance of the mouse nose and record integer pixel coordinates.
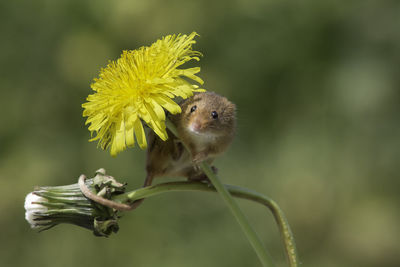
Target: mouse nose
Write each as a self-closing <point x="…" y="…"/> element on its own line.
<point x="195" y="126"/>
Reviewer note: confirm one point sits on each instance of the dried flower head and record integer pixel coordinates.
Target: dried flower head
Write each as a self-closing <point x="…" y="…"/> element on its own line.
<point x="49" y="206"/>
<point x="138" y="87"/>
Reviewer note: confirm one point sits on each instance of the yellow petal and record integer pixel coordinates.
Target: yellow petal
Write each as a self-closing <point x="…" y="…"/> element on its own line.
<point x="168" y="104"/>
<point x="158" y="110"/>
<point x="118" y="142"/>
<point x="190" y="73"/>
<point x="140" y="134"/>
<point x="129" y="136"/>
<point x="160" y="131"/>
<point x="155" y="124"/>
<point x="144" y="114"/>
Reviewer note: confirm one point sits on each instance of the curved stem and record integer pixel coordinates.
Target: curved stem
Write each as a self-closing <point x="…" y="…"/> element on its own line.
<point x="251" y="235"/>
<point x="240" y="192"/>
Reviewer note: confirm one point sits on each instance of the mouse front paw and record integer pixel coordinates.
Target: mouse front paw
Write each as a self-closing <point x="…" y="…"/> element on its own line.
<point x="198" y="158"/>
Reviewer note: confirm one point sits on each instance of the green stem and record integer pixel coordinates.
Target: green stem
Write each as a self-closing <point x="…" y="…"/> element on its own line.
<point x="286" y="234"/>
<point x="251" y="235"/>
<point x="234" y="207"/>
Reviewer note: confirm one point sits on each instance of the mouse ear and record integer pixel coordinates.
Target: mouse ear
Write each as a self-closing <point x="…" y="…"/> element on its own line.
<point x="229" y="107"/>
<point x="229" y="112"/>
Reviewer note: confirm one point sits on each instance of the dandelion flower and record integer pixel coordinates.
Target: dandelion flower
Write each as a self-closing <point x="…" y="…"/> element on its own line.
<point x="138" y="87"/>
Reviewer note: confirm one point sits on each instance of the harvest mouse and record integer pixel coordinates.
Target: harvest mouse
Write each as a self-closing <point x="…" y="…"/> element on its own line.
<point x="206" y="126"/>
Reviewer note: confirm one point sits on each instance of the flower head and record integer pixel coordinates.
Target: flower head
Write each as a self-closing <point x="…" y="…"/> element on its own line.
<point x="138" y="87"/>
<point x="49" y="206"/>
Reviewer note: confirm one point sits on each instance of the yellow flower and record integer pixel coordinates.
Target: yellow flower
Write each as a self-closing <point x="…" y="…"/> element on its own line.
<point x="138" y="87"/>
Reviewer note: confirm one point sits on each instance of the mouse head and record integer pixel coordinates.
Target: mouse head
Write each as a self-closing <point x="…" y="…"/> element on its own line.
<point x="208" y="114"/>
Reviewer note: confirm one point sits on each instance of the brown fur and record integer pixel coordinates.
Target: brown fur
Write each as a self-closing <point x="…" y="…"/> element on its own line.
<point x="213" y="138"/>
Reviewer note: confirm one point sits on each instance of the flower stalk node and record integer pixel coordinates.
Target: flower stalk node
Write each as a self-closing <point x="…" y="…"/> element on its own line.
<point x="106" y="185"/>
<point x="103" y="227"/>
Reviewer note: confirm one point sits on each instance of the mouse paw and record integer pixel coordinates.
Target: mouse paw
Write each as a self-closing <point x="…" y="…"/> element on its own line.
<point x="196" y="167"/>
<point x="199" y="157"/>
<point x="200" y="177"/>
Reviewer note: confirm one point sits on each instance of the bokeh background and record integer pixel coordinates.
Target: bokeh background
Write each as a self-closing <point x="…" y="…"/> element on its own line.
<point x="317" y="89"/>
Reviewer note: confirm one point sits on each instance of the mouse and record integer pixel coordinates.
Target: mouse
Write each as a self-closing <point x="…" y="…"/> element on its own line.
<point x="206" y="127"/>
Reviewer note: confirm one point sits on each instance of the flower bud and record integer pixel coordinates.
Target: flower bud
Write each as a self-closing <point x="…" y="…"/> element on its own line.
<point x="49" y="206"/>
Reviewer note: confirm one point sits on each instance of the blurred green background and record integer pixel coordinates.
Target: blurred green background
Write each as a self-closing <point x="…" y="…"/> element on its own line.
<point x="317" y="89"/>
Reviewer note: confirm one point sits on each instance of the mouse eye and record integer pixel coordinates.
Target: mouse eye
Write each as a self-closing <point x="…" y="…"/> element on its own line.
<point x="193" y="108"/>
<point x="214" y="114"/>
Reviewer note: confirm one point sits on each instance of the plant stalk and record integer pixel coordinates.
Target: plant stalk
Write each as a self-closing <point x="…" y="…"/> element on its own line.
<point x="236" y="191"/>
<point x="251" y="235"/>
